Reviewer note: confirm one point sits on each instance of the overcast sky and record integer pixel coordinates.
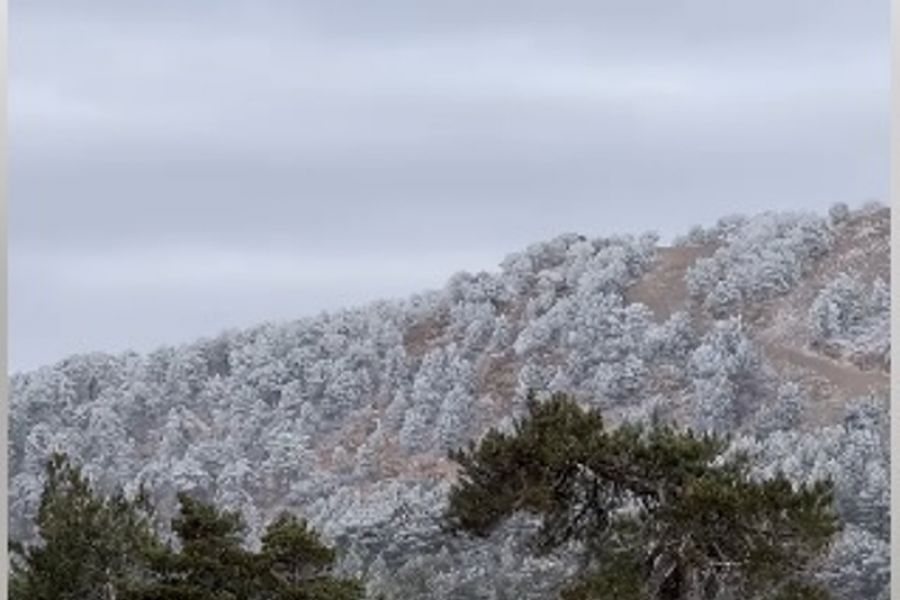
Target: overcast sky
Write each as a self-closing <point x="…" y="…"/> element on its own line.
<point x="182" y="167"/>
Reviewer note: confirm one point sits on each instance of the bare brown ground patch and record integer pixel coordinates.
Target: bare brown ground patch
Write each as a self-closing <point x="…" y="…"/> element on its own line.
<point x="497" y="377"/>
<point x="662" y="288"/>
<point x="832" y="383"/>
<point x="396" y="463"/>
<point x="421" y="337"/>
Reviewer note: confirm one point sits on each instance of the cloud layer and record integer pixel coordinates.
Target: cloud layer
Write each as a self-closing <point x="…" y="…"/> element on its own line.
<point x="308" y="146"/>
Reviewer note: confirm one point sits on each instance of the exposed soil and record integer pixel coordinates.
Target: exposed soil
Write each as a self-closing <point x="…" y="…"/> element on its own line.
<point x="832" y="382"/>
<point x="662" y="288"/>
<point x="423" y="336"/>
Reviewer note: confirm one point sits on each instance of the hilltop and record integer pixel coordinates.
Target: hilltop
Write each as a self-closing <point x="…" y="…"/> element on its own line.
<point x="772" y="328"/>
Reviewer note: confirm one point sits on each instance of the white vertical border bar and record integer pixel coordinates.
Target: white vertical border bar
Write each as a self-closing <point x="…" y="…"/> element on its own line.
<point x="895" y="295"/>
<point x="4" y="363"/>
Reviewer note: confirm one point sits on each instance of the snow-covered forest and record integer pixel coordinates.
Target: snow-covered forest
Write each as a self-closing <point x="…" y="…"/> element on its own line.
<point x="771" y="328"/>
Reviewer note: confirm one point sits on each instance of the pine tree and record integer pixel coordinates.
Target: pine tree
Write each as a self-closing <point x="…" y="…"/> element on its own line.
<point x="211" y="563"/>
<point x="91" y="546"/>
<point x="296" y="564"/>
<point x="661" y="514"/>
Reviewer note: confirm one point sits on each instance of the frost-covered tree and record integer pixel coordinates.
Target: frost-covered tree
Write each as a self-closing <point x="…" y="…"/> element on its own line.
<point x="730" y="377"/>
<point x="672" y="341"/>
<point x="858" y="565"/>
<point x="855" y="456"/>
<point x="760" y="258"/>
<point x="838" y="213"/>
<point x="784" y="412"/>
<point x="848" y="320"/>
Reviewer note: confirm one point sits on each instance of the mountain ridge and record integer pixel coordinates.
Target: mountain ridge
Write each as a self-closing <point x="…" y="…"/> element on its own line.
<point x="770" y="327"/>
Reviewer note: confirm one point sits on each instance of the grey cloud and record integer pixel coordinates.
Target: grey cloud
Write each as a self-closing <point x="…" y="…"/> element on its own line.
<point x="312" y="130"/>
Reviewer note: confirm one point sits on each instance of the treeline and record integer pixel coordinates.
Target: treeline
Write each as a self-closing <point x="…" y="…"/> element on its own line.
<point x="96" y="546"/>
<point x="654" y="513"/>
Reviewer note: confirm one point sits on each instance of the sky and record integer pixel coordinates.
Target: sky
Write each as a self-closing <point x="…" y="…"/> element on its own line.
<point x="178" y="168"/>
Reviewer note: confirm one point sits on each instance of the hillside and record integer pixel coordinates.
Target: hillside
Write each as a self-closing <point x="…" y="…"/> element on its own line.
<point x="773" y="328"/>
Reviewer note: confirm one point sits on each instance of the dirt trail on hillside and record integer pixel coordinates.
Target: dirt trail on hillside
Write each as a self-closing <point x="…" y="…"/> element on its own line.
<point x="842" y="381"/>
<point x="662" y="288"/>
<point x="842" y="375"/>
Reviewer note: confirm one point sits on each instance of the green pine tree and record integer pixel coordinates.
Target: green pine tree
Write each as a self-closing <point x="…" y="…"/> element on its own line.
<point x="211" y="563"/>
<point x="661" y="514"/>
<point x="297" y="564"/>
<point x="91" y="546"/>
<point x="96" y="547"/>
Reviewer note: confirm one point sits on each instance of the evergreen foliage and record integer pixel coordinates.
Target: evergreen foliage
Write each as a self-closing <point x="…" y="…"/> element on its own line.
<point x="211" y="562"/>
<point x="96" y="547"/>
<point x="660" y="514"/>
<point x="296" y="564"/>
<point x="91" y="546"/>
